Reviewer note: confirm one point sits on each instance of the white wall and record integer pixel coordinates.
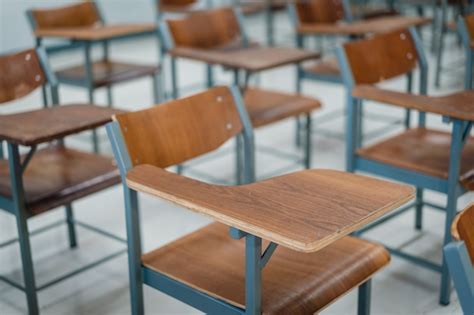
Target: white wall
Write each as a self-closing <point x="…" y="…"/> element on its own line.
<point x="15" y="32"/>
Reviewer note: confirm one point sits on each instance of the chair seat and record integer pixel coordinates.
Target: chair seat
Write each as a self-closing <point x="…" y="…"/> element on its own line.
<point x="424" y="151"/>
<point x="293" y="282"/>
<point x="252" y="6"/>
<point x="57" y="175"/>
<point x="325" y="67"/>
<point x="266" y="107"/>
<point x="106" y="73"/>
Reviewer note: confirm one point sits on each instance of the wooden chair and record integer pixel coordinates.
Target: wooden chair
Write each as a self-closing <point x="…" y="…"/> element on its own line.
<point x="466" y="31"/>
<point x="49" y="175"/>
<point x="327" y="18"/>
<point x="79" y="25"/>
<point x="220" y="31"/>
<point x="424" y="157"/>
<point x="460" y="258"/>
<point x="302" y="218"/>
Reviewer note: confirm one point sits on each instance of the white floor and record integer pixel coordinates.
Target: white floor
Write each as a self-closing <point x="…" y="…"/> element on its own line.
<point x="402" y="288"/>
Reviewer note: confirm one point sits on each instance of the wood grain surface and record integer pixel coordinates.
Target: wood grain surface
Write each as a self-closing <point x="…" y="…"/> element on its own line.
<point x="76" y="15"/>
<point x="422" y="150"/>
<point x="292" y="282"/>
<point x="305" y="211"/>
<point x="57" y="175"/>
<point x="106" y="72"/>
<point x="265" y="107"/>
<point x="21" y="73"/>
<point x="251" y="59"/>
<point x="96" y="32"/>
<point x="364" y="27"/>
<point x="43" y="125"/>
<point x="391" y="55"/>
<point x="458" y="105"/>
<point x="180" y="130"/>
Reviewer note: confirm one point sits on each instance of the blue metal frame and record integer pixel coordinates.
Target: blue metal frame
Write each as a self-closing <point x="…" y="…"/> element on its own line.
<point x="255" y="260"/>
<point x="462" y="272"/>
<point x="466" y="40"/>
<point x="450" y="186"/>
<point x="140" y="275"/>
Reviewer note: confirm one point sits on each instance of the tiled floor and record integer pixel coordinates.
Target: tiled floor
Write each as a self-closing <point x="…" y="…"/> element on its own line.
<point x="400" y="289"/>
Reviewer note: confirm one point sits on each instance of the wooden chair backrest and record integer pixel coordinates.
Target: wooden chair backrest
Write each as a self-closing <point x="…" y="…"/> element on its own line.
<point x="463" y="229"/>
<point x="381" y="57"/>
<point x="21" y="73"/>
<point x="205" y="29"/>
<point x="179" y="130"/>
<point x="320" y="11"/>
<point x="469" y="20"/>
<point x="76" y="15"/>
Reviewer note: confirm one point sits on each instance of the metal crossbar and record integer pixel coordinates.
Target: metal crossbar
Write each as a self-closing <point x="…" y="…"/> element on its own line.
<point x="74" y="272"/>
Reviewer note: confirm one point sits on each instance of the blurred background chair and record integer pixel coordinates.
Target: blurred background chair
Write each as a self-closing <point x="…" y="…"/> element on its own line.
<point x="49" y="174"/>
<point x="82" y="26"/>
<point x="427" y="158"/>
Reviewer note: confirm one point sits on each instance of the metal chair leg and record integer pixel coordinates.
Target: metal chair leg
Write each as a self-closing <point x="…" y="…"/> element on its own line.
<point x="299" y="87"/>
<point x="363" y="301"/>
<point x="308" y="142"/>
<point x="451" y="207"/>
<point x="71" y="227"/>
<point x="253" y="276"/>
<point x="419" y="209"/>
<point x="238" y="160"/>
<point x="110" y="99"/>
<point x="209" y="76"/>
<point x="27" y="262"/>
<point x="157" y="88"/>
<point x="22" y="227"/>
<point x="298" y="132"/>
<point x="469" y="64"/>
<point x="134" y="251"/>
<point x="440" y="48"/>
<point x="95" y="137"/>
<point x="90" y="90"/>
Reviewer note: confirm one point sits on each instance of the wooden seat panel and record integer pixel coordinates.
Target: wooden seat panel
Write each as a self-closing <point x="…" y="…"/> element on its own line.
<point x="265" y="107"/>
<point x="57" y="175"/>
<point x="327" y="66"/>
<point x="108" y="72"/>
<point x="38" y="126"/>
<point x="424" y="151"/>
<point x="293" y="282"/>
